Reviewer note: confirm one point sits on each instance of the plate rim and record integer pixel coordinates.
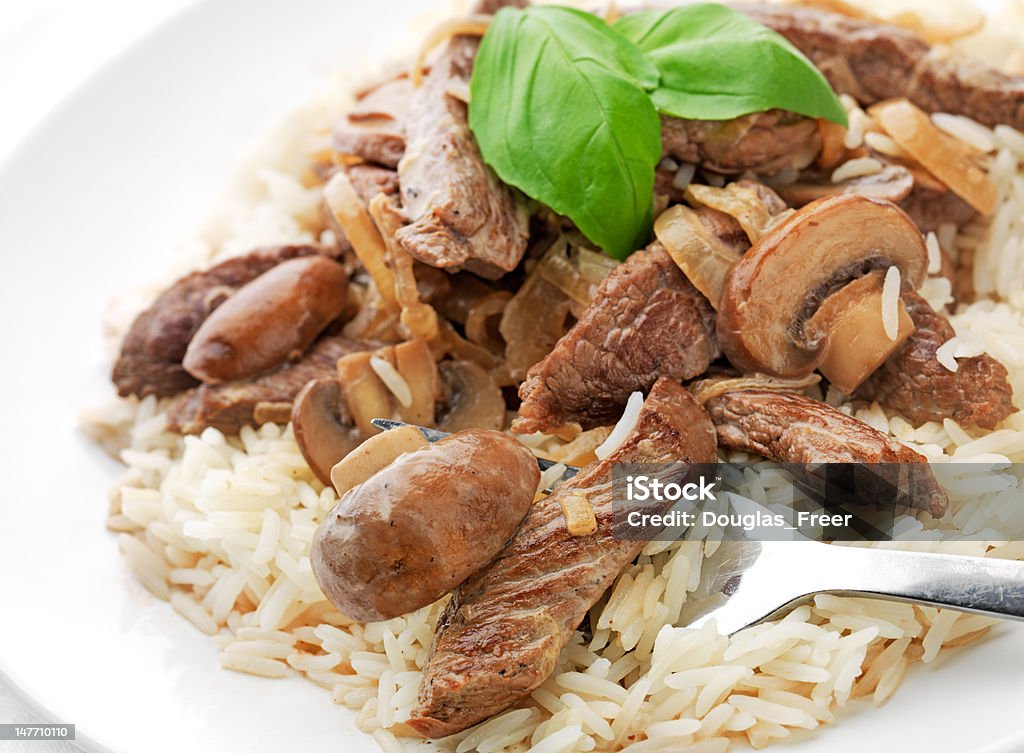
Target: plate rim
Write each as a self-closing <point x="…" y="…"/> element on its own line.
<point x="33" y="137"/>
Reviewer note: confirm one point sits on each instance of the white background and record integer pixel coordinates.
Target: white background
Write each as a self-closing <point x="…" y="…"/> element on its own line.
<point x="47" y="48"/>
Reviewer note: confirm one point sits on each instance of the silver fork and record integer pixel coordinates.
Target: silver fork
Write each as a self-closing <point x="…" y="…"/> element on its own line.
<point x="747" y="582"/>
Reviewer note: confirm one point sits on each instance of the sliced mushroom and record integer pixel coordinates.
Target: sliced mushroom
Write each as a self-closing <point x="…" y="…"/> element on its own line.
<point x="365" y="394"/>
<point x="376" y="453"/>
<point x="850" y="323"/>
<point x="360" y="392"/>
<point x="346" y="212"/>
<point x="892" y="183"/>
<point x="323" y="429"/>
<point x="533" y="320"/>
<point x="416" y="365"/>
<point x="772" y="292"/>
<point x="473" y="399"/>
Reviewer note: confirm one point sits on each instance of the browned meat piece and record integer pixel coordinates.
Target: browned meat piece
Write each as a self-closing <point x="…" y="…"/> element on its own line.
<point x="873" y="62"/>
<point x="373" y="130"/>
<point x="725" y="228"/>
<point x="500" y="636"/>
<point x="462" y="216"/>
<point x="384" y="146"/>
<point x="960" y="85"/>
<point x="229" y="406"/>
<point x="869" y="61"/>
<point x="151" y="354"/>
<point x="764" y="142"/>
<point x="490" y="7"/>
<point x="370" y="180"/>
<point x="929" y="209"/>
<point x="913" y="383"/>
<point x="646" y="321"/>
<point x="795" y="429"/>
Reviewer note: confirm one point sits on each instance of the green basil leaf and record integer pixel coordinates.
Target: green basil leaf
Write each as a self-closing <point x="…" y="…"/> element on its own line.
<point x="559" y="109"/>
<point x="718" y="64"/>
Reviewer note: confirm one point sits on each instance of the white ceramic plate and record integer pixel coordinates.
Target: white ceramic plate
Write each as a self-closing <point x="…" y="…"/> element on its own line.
<point x="89" y="206"/>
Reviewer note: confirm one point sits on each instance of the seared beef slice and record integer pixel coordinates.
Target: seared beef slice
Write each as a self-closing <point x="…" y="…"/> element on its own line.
<point x="646" y="321"/>
<point x="500" y="636"/>
<point x="763" y="142"/>
<point x="229" y="406"/>
<point x="796" y="429"/>
<point x="914" y="384"/>
<point x="462" y="216"/>
<point x="873" y="62"/>
<point x="150" y="360"/>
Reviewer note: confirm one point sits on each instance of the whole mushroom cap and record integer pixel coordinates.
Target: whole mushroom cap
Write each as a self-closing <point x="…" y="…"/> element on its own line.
<point x="779" y="284"/>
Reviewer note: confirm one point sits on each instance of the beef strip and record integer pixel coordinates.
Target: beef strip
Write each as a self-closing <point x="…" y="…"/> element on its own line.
<point x="500" y="636"/>
<point x="914" y="384"/>
<point x="873" y="62"/>
<point x="370" y="180"/>
<point x="152" y="350"/>
<point x="462" y="216"/>
<point x="374" y="129"/>
<point x="377" y="144"/>
<point x="490" y="7"/>
<point x="944" y="83"/>
<point x="764" y="142"/>
<point x="646" y="321"/>
<point x="229" y="406"/>
<point x="795" y="429"/>
<point x="929" y="209"/>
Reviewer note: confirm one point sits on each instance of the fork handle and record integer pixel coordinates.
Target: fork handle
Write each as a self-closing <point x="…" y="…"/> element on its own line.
<point x="970" y="584"/>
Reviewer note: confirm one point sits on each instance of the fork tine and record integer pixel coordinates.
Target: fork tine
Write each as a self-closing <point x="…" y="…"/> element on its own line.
<point x="747" y="582"/>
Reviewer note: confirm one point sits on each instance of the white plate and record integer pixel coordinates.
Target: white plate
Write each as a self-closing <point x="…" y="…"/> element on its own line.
<point x="89" y="206"/>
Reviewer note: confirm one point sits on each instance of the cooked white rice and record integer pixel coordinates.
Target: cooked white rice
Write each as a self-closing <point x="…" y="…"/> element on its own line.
<point x="966" y="130"/>
<point x="856" y="168"/>
<point x="221" y="527"/>
<point x="624" y="427"/>
<point x="890" y="302"/>
<point x="394" y="381"/>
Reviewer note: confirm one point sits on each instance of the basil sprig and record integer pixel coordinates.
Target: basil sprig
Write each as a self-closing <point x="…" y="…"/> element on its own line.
<point x="565" y="107"/>
<point x="718" y="64"/>
<point x="559" y="107"/>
